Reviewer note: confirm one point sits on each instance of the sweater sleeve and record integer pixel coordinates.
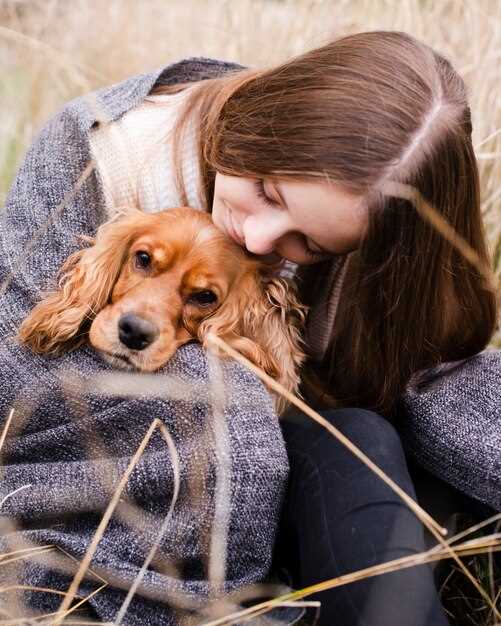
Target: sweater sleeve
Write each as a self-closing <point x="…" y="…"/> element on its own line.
<point x="54" y="199"/>
<point x="68" y="446"/>
<point x="452" y="426"/>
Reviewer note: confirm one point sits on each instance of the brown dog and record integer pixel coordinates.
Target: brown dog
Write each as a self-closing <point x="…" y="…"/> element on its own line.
<point x="153" y="282"/>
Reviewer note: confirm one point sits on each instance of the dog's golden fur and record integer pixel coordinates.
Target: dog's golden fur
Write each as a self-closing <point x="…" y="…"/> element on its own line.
<point x="190" y="264"/>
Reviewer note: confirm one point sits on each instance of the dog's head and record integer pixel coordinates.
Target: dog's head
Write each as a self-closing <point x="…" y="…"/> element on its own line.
<point x="153" y="282"/>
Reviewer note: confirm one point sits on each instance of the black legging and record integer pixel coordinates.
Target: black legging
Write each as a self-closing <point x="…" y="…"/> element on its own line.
<point x="339" y="517"/>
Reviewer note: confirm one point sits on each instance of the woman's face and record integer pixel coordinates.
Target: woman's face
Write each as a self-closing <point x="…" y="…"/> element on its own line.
<point x="304" y="222"/>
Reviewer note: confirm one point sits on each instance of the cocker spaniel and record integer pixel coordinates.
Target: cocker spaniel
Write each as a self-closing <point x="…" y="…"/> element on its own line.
<point x="153" y="282"/>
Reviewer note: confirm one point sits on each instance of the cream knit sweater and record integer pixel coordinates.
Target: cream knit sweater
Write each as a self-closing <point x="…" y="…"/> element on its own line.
<point x="134" y="157"/>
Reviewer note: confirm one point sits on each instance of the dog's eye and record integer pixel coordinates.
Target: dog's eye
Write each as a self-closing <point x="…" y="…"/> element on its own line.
<point x="143" y="259"/>
<point x="202" y="298"/>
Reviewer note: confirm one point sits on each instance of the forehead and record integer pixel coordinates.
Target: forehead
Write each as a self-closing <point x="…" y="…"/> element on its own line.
<point x="190" y="242"/>
<point x="322" y="193"/>
<point x="184" y="232"/>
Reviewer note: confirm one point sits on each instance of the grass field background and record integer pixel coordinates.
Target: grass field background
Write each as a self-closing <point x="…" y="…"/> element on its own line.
<point x="54" y="50"/>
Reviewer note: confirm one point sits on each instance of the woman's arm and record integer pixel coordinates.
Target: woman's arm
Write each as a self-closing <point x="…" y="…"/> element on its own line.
<point x="65" y="441"/>
<point x="73" y="445"/>
<point x="54" y="199"/>
<point x="452" y="426"/>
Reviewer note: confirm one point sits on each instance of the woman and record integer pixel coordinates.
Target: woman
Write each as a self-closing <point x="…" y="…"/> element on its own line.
<point x="315" y="161"/>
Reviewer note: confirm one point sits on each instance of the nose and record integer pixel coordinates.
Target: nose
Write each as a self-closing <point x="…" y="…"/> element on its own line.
<point x="135" y="332"/>
<point x="262" y="232"/>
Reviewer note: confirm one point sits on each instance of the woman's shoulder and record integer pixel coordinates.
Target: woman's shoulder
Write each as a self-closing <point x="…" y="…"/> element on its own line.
<point x="65" y="135"/>
<point x="111" y="102"/>
<point x="55" y="184"/>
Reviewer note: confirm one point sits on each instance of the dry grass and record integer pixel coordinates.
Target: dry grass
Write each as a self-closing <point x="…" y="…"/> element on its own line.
<point x="53" y="50"/>
<point x="226" y="611"/>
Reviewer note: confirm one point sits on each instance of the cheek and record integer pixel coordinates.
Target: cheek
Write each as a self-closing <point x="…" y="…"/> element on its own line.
<point x="292" y="248"/>
<point x="122" y="286"/>
<point x="235" y="193"/>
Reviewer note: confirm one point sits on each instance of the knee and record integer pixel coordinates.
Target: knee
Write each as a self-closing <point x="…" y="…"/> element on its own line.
<point x="321" y="464"/>
<point x="368" y="431"/>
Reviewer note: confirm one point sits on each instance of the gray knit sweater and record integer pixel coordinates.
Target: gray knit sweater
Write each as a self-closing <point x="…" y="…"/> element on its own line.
<point x="69" y="444"/>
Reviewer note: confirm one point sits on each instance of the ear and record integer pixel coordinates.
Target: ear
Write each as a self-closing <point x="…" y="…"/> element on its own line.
<point x="85" y="284"/>
<point x="263" y="319"/>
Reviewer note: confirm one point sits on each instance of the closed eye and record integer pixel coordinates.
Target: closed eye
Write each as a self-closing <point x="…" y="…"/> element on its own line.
<point x="261" y="193"/>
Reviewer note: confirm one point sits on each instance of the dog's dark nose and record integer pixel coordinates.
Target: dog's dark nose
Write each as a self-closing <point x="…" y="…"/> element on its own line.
<point x="135" y="332"/>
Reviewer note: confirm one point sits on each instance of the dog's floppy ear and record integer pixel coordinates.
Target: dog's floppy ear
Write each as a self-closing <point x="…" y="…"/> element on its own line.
<point x="263" y="319"/>
<point x="84" y="287"/>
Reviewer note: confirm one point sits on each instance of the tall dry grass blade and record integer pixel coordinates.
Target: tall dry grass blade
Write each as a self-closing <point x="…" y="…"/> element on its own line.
<point x="448" y="232"/>
<point x="471" y="529"/>
<point x="377" y="570"/>
<point x="26" y="621"/>
<point x="25" y="556"/>
<point x="127" y="385"/>
<point x="34" y="556"/>
<point x="222" y="494"/>
<point x="492" y="198"/>
<point x="490" y="548"/>
<point x="31" y="588"/>
<point x="12" y="493"/>
<point x="89" y="570"/>
<point x="219" y="529"/>
<point x="23" y="620"/>
<point x="85" y="623"/>
<point x="70" y="594"/>
<point x="21" y="260"/>
<point x="177" y="482"/>
<point x="384" y="568"/>
<point x="63" y="615"/>
<point x="488" y="138"/>
<point x="6" y="554"/>
<point x="496" y="600"/>
<point x="487" y="156"/>
<point x="6" y="428"/>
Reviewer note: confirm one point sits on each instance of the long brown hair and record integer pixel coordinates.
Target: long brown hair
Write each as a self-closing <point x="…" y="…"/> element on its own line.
<point x="369" y="112"/>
